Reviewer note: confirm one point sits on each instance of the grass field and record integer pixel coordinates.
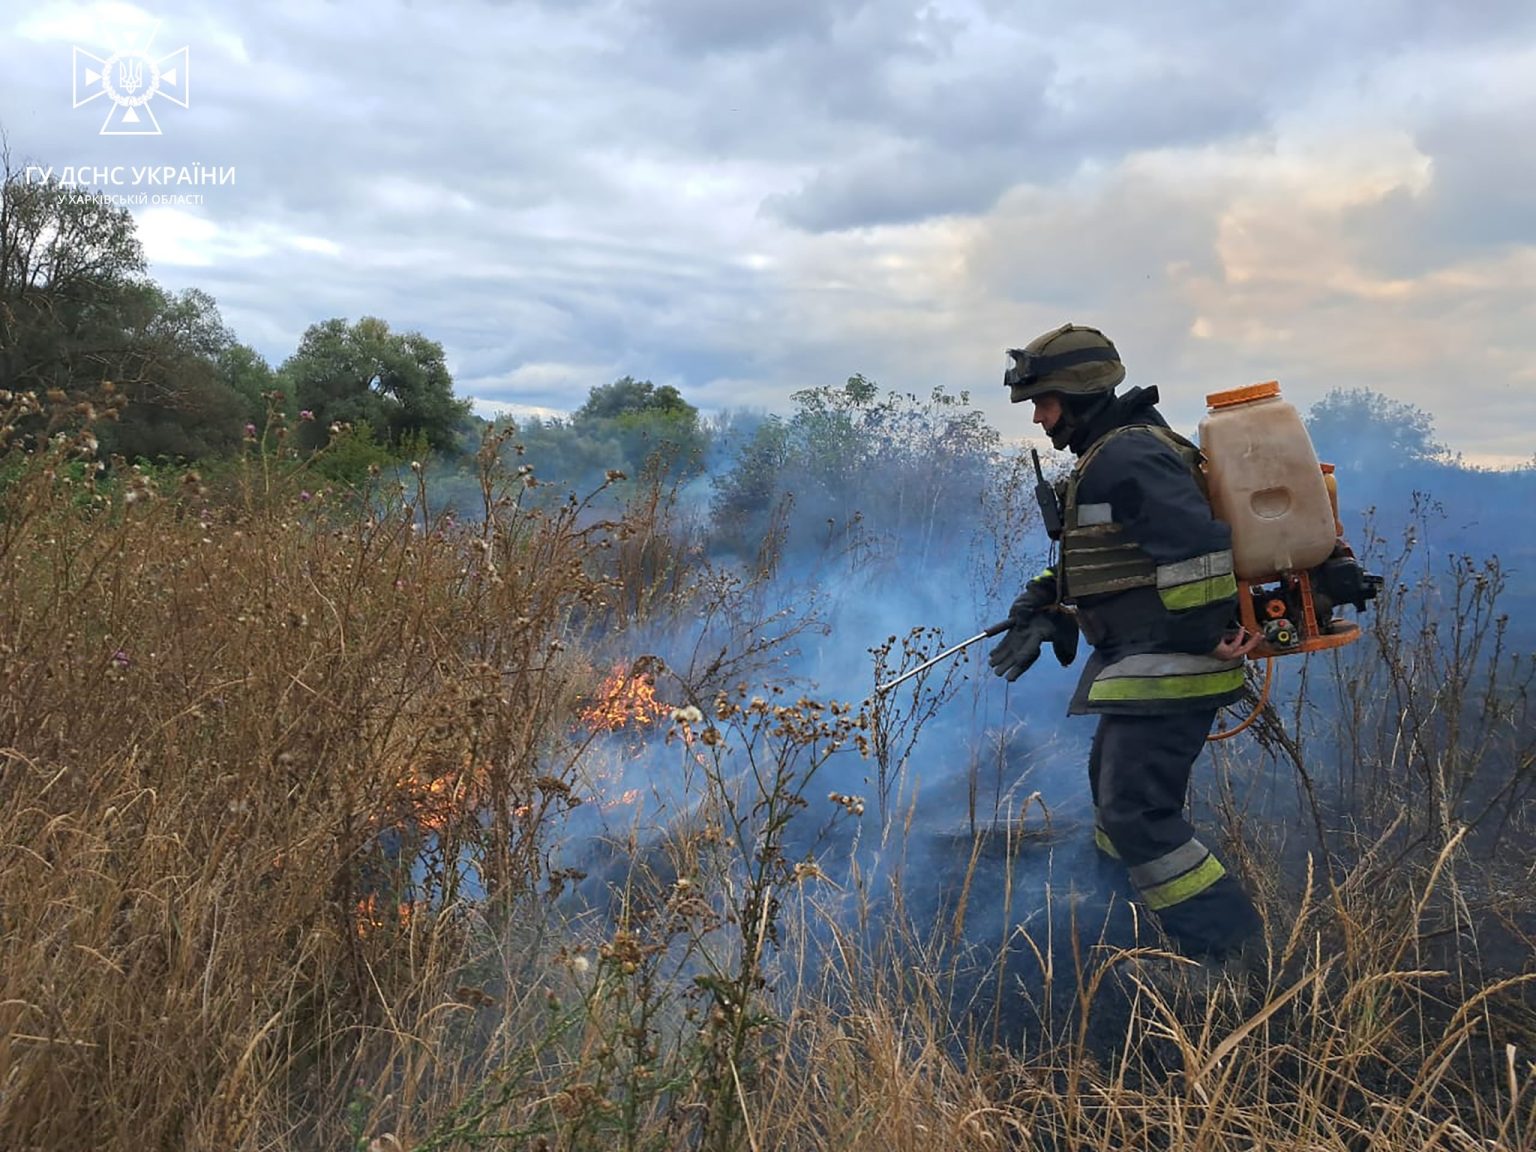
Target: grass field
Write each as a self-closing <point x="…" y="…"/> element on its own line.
<point x="288" y="782"/>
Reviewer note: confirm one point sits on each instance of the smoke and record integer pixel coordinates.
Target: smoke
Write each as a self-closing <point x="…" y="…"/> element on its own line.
<point x="973" y="824"/>
<point x="970" y="820"/>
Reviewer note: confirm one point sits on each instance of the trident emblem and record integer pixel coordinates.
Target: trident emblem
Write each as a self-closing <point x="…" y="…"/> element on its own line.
<point x="130" y="75"/>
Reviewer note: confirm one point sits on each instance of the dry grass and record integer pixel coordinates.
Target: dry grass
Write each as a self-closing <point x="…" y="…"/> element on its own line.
<point x="257" y="754"/>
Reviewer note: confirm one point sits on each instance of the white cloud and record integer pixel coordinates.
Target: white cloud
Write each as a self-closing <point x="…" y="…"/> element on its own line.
<point x="173" y="237"/>
<point x="109" y="25"/>
<point x="493" y="409"/>
<point x="746" y="205"/>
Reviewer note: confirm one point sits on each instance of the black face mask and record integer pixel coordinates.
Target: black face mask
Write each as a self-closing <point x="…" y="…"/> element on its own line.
<point x="1061" y="431"/>
<point x="1076" y="413"/>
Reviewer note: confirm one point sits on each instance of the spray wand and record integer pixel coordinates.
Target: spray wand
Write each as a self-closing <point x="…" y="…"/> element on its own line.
<point x="994" y="630"/>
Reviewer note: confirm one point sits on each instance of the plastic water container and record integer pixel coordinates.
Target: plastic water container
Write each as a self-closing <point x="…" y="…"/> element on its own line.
<point x="1266" y="483"/>
<point x="1331" y="482"/>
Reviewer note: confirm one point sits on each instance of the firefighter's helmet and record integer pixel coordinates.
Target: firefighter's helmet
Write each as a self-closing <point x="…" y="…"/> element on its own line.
<point x="1071" y="360"/>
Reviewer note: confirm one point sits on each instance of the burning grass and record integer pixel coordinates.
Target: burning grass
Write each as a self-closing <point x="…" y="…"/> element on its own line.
<point x="625" y="699"/>
<point x="285" y="791"/>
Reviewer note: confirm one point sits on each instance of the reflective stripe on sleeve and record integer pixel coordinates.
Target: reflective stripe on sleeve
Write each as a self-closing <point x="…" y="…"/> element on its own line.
<point x="1103" y="843"/>
<point x="1197" y="568"/>
<point x="1198" y="593"/>
<point x="1198" y="581"/>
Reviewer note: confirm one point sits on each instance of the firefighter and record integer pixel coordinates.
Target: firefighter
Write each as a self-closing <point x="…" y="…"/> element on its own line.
<point x="1148" y="570"/>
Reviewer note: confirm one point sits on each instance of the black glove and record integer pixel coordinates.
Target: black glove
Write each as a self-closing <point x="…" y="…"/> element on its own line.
<point x="1064" y="638"/>
<point x="1038" y="593"/>
<point x="1019" y="648"/>
<point x="1034" y="619"/>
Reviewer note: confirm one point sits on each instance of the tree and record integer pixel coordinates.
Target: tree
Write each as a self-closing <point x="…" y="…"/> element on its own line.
<point x="746" y="493"/>
<point x="570" y="456"/>
<point x="645" y="427"/>
<point x="1358" y="428"/>
<point x="181" y="403"/>
<point x="850" y="455"/>
<point x="630" y="397"/>
<point x="247" y="373"/>
<point x="77" y="309"/>
<point x="397" y="384"/>
<point x="71" y="276"/>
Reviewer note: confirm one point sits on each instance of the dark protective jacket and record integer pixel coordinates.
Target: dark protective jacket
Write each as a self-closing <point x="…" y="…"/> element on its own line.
<point x="1147" y="566"/>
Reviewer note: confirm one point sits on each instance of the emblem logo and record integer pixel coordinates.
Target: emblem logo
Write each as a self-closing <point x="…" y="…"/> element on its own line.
<point x="131" y="79"/>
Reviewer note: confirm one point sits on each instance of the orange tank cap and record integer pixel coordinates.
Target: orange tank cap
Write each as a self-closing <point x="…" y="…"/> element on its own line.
<point x="1243" y="395"/>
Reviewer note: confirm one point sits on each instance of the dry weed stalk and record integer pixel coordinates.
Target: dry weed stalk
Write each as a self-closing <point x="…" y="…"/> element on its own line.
<point x="283" y="780"/>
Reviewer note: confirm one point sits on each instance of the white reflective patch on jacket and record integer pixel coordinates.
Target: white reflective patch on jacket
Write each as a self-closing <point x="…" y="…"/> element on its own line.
<point x="1089" y="515"/>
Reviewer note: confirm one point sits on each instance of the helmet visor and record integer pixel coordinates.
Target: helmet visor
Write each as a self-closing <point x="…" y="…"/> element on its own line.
<point x="1020" y="372"/>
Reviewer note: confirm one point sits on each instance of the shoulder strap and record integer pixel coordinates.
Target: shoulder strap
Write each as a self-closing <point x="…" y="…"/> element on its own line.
<point x="1187" y="450"/>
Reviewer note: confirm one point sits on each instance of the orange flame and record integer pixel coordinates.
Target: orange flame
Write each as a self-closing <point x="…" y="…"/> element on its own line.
<point x="372" y="915"/>
<point x="624" y="699"/>
<point x="435" y="801"/>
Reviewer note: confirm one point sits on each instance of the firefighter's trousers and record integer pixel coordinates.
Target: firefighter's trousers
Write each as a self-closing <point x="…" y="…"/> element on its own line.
<point x="1139" y="772"/>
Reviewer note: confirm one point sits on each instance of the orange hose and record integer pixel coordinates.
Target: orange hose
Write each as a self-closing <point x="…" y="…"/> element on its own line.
<point x="1225" y="734"/>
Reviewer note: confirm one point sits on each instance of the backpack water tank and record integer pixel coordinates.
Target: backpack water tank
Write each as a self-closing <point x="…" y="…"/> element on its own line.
<point x="1265" y="482"/>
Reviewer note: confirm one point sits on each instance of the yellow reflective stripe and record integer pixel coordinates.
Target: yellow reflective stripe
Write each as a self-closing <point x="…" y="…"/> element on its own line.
<point x="1103" y="843"/>
<point x="1182" y="597"/>
<point x="1171" y="687"/>
<point x="1181" y="888"/>
<point x="1197" y="568"/>
<point x="1169" y="865"/>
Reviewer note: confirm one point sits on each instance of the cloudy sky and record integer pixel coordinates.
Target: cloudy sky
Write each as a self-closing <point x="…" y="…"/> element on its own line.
<point x="743" y="199"/>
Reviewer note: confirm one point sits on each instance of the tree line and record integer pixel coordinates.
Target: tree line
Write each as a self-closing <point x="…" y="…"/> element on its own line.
<point x="79" y="308"/>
